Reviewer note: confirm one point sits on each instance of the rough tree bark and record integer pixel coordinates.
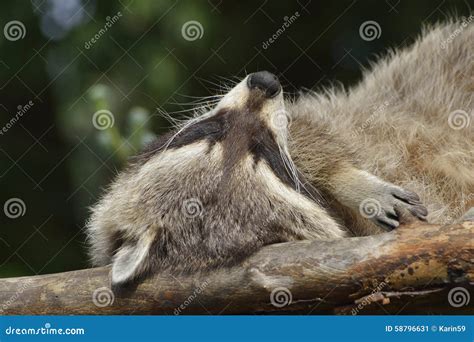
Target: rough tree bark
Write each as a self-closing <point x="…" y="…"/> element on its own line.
<point x="409" y="270"/>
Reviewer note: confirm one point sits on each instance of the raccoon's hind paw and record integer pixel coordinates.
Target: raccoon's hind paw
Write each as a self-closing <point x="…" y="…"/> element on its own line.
<point x="392" y="207"/>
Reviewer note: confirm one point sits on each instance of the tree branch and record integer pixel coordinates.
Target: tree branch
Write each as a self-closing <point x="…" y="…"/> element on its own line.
<point x="410" y="270"/>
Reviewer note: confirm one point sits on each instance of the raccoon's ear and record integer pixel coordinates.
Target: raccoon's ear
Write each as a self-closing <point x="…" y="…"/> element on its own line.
<point x="131" y="261"/>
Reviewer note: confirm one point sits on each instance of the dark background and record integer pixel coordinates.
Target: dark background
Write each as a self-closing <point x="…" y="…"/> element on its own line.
<point x="56" y="162"/>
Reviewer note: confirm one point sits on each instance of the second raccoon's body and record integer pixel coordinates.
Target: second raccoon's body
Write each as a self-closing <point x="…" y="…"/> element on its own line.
<point x="224" y="185"/>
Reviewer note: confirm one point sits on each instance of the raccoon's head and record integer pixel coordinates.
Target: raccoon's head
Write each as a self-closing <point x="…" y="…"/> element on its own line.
<point x="250" y="120"/>
<point x="254" y="101"/>
<point x="251" y="115"/>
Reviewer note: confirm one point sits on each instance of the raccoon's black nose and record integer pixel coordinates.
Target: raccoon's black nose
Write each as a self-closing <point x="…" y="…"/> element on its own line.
<point x="265" y="81"/>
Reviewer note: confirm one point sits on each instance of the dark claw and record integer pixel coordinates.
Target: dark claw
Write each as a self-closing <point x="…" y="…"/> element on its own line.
<point x="413" y="196"/>
<point x="388" y="227"/>
<point x="407" y="197"/>
<point x="393" y="216"/>
<point x="419" y="211"/>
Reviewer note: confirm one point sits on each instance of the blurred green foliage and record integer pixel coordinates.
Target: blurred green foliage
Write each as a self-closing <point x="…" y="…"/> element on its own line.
<point x="127" y="61"/>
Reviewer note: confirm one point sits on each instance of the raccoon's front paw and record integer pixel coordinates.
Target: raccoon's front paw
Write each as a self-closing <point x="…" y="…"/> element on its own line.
<point x="388" y="208"/>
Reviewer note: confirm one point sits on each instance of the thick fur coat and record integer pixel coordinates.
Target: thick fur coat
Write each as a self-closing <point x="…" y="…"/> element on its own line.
<point x="225" y="183"/>
<point x="409" y="122"/>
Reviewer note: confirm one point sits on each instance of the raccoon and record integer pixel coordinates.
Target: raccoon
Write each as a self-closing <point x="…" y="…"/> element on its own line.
<point x="210" y="193"/>
<point x="408" y="122"/>
<point x="232" y="180"/>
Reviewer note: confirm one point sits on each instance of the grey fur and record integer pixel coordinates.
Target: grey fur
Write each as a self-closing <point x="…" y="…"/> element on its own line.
<point x="398" y="124"/>
<point x="238" y="174"/>
<point x="211" y="195"/>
